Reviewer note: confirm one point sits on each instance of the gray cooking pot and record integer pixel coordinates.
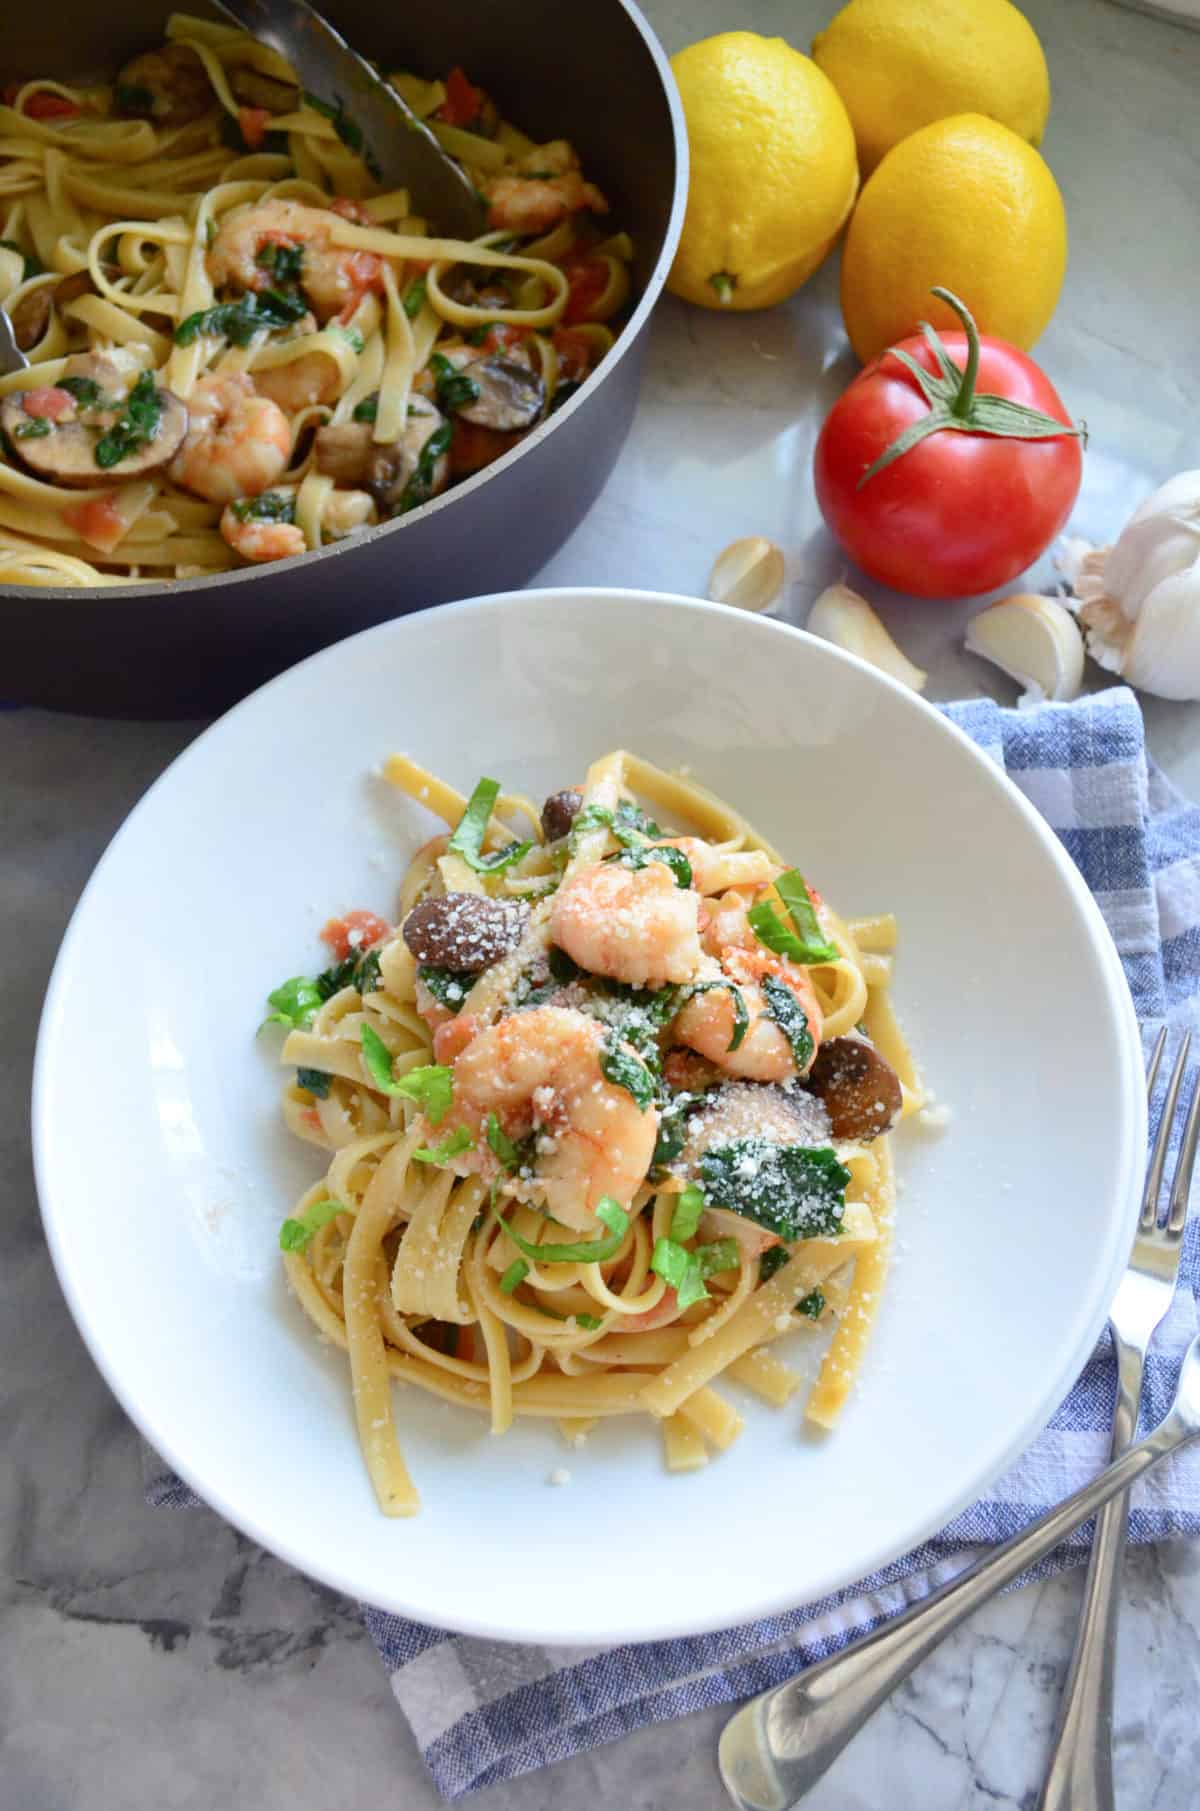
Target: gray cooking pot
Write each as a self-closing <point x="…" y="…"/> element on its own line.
<point x="591" y="72"/>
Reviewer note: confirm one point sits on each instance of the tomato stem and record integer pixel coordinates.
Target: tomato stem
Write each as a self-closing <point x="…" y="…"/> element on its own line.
<point x="961" y="405"/>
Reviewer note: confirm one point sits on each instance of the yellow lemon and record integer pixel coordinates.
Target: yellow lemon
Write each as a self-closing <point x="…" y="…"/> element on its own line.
<point x="900" y="64"/>
<point x="774" y="170"/>
<point x="967" y="204"/>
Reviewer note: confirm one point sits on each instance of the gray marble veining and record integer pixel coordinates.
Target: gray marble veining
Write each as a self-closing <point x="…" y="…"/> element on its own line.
<point x="155" y="1659"/>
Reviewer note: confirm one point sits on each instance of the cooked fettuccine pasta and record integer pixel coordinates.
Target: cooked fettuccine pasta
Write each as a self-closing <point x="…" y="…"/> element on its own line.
<point x="608" y="1116"/>
<point x="241" y="347"/>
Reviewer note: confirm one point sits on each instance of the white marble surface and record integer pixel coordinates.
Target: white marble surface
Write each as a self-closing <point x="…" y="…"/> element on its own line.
<point x="157" y="1660"/>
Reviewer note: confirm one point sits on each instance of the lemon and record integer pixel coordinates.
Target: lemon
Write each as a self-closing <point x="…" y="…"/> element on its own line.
<point x="774" y="170"/>
<point x="900" y="64"/>
<point x="964" y="203"/>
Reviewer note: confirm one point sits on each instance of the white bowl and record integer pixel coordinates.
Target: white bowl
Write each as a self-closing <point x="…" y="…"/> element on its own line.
<point x="164" y="1171"/>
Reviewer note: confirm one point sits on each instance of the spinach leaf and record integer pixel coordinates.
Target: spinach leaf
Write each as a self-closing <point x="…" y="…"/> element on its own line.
<point x="501" y="1145"/>
<point x="672" y="1126"/>
<point x="270" y="506"/>
<point x="136" y="425"/>
<point x="640" y="855"/>
<point x="347" y="129"/>
<point x="588" y="1321"/>
<point x="624" y="1070"/>
<point x="587" y="1251"/>
<point x="432" y="1086"/>
<point x="773" y="1259"/>
<point x="295" y="1002"/>
<point x="791" y="1019"/>
<point x="36" y="428"/>
<point x="792" y="1190"/>
<point x="455" y="389"/>
<point x="85" y="390"/>
<point x="283" y="261"/>
<point x="317" y="1081"/>
<point x="467" y="840"/>
<point x="239" y="321"/>
<point x="459" y="1140"/>
<point x="515" y="1275"/>
<point x="449" y="986"/>
<point x="413" y="299"/>
<point x="801" y="940"/>
<point x="294" y="1235"/>
<point x="812" y="1305"/>
<point x="367" y="409"/>
<point x="419" y="488"/>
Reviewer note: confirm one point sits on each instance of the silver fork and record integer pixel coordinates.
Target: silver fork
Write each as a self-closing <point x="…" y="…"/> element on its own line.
<point x="778" y="1745"/>
<point x="1079" y="1777"/>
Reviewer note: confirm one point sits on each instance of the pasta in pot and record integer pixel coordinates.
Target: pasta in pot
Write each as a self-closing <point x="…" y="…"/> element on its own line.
<point x="607" y="1114"/>
<point x="240" y="347"/>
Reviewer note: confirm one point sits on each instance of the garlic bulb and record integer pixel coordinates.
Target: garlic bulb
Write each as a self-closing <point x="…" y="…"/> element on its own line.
<point x="747" y="574"/>
<point x="846" y="619"/>
<point x="1139" y="600"/>
<point x="1036" y="641"/>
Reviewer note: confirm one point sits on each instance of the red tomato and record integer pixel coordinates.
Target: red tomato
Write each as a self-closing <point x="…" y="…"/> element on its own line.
<point x="48" y="404"/>
<point x="463" y="100"/>
<point x="958" y="512"/>
<point x="357" y="931"/>
<point x="588" y="278"/>
<point x="49" y="106"/>
<point x="253" y="123"/>
<point x="98" y="522"/>
<point x="574" y="354"/>
<point x="500" y="336"/>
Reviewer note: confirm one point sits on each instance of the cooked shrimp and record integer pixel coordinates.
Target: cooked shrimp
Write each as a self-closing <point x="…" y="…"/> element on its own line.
<point x="707" y="1022"/>
<point x="238" y="443"/>
<point x="540" y="1071"/>
<point x="346" y="511"/>
<point x="546" y="187"/>
<point x="629" y="924"/>
<point x="258" y="540"/>
<point x="333" y="277"/>
<point x="312" y="378"/>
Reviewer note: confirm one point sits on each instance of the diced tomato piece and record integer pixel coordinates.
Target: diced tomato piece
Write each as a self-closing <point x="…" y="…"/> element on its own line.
<point x="364" y="272"/>
<point x="311" y="1117"/>
<point x="452" y="1037"/>
<point x="352" y="210"/>
<point x="473" y="447"/>
<point x="49" y="403"/>
<point x="499" y="336"/>
<point x="357" y="931"/>
<point x="588" y="278"/>
<point x="574" y="354"/>
<point x="98" y="521"/>
<point x="253" y="122"/>
<point x="51" y="106"/>
<point x="463" y="100"/>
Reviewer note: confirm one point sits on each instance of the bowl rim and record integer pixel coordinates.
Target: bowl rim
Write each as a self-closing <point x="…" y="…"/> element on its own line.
<point x="1131" y="1112"/>
<point x="140" y="590"/>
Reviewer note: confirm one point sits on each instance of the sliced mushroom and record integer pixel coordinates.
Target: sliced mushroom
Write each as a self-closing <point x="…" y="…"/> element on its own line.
<point x="781" y="1115"/>
<point x="255" y="89"/>
<point x="168" y="86"/>
<point x="859" y="1090"/>
<point x="409" y="472"/>
<point x="511" y="395"/>
<point x="465" y="932"/>
<point x="30" y="317"/>
<point x="559" y="812"/>
<point x="345" y="451"/>
<point x="62" y="450"/>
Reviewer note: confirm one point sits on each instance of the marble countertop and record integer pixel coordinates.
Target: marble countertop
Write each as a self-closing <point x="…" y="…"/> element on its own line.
<point x="154" y="1659"/>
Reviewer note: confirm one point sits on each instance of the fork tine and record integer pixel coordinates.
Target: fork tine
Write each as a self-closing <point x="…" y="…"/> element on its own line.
<point x="1181" y="1186"/>
<point x="1149" y="1219"/>
<point x="1160" y="1044"/>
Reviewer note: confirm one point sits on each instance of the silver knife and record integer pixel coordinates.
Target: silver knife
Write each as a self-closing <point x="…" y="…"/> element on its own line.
<point x="399" y="149"/>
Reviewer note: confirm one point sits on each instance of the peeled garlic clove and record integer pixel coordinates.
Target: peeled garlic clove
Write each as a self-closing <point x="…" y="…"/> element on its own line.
<point x="748" y="574"/>
<point x="1036" y="641"/>
<point x="846" y="619"/>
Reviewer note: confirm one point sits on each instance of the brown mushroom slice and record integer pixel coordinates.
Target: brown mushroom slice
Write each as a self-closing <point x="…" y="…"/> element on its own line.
<point x="859" y="1089"/>
<point x="408" y="472"/>
<point x="345" y="450"/>
<point x="782" y="1115"/>
<point x="465" y="932"/>
<point x="168" y="86"/>
<point x="255" y="89"/>
<point x="63" y="452"/>
<point x="559" y="812"/>
<point x="511" y="395"/>
<point x="31" y="316"/>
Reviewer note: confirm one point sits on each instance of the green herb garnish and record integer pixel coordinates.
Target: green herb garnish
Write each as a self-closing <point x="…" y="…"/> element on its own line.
<point x="449" y="986"/>
<point x="239" y="321"/>
<point x="431" y="1086"/>
<point x="85" y="390"/>
<point x="516" y="1273"/>
<point x="413" y="299"/>
<point x="419" y="488"/>
<point x="812" y="1305"/>
<point x="33" y="265"/>
<point x="348" y="130"/>
<point x="459" y="1140"/>
<point x="792" y="1190"/>
<point x="137" y="424"/>
<point x="624" y="1070"/>
<point x="773" y="1259"/>
<point x="283" y="261"/>
<point x="688" y="1210"/>
<point x="501" y="1145"/>
<point x="132" y="97"/>
<point x="588" y="1321"/>
<point x="317" y="1081"/>
<point x="802" y="939"/>
<point x="270" y="506"/>
<point x="595" y="1251"/>
<point x="455" y="389"/>
<point x="467" y="840"/>
<point x="295" y="1003"/>
<point x="36" y="428"/>
<point x="685" y="1271"/>
<point x="741" y="1012"/>
<point x="640" y="855"/>
<point x="294" y="1235"/>
<point x="791" y="1019"/>
<point x="367" y="409"/>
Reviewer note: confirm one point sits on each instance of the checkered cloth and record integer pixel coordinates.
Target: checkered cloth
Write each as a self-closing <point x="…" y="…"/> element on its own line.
<point x="484" y="1711"/>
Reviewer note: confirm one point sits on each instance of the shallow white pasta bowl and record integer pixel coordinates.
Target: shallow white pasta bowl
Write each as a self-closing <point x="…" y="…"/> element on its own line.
<point x="164" y="1171"/>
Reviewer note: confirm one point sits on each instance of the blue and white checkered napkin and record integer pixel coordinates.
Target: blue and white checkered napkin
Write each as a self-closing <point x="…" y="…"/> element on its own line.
<point x="484" y="1711"/>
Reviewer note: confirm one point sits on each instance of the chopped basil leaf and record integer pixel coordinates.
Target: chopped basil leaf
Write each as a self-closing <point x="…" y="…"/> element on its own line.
<point x="741" y="1012"/>
<point x="624" y="1070"/>
<point x="350" y="133"/>
<point x="419" y="488"/>
<point x="36" y="428"/>
<point x="629" y="818"/>
<point x="284" y="261"/>
<point x="772" y="1260"/>
<point x="812" y="1305"/>
<point x="431" y="1087"/>
<point x="368" y="979"/>
<point x="351" y="335"/>
<point x="679" y="1270"/>
<point x="589" y="1321"/>
<point x="500" y="1144"/>
<point x="791" y="1019"/>
<point x="317" y="1081"/>
<point x="270" y="506"/>
<point x="367" y="409"/>
<point x="672" y="1127"/>
<point x="688" y="1209"/>
<point x="449" y="986"/>
<point x="640" y="855"/>
<point x="467" y="840"/>
<point x="454" y="388"/>
<point x="413" y="299"/>
<point x="594" y="1251"/>
<point x="360" y="970"/>
<point x="85" y="390"/>
<point x="802" y="939"/>
<point x="792" y="1190"/>
<point x="459" y="1140"/>
<point x="295" y="1002"/>
<point x="294" y="1235"/>
<point x="516" y="1273"/>
<point x="239" y="321"/>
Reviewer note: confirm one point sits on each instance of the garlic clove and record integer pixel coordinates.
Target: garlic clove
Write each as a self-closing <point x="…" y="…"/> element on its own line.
<point x="846" y="619"/>
<point x="748" y="574"/>
<point x="1162" y="653"/>
<point x="1036" y="641"/>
